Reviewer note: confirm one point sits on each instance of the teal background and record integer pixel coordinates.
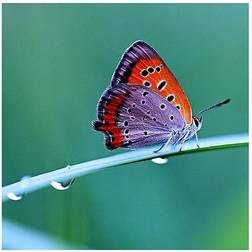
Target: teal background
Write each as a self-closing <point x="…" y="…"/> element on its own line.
<point x="57" y="61"/>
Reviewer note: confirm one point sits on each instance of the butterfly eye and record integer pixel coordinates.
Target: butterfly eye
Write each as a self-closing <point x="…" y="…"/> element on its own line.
<point x="171" y="117"/>
<point x="178" y="107"/>
<point x="145" y="133"/>
<point x="143" y="101"/>
<point x="126" y="131"/>
<point x="129" y="110"/>
<point x="132" y="118"/>
<point x="145" y="93"/>
<point x="158" y="69"/>
<point x="196" y="122"/>
<point x="126" y="123"/>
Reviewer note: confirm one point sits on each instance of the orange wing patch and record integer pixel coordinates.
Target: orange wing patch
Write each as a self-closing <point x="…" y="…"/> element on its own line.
<point x="156" y="75"/>
<point x="141" y="65"/>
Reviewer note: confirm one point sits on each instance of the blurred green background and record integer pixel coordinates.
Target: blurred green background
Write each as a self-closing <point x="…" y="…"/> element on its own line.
<point x="57" y="61"/>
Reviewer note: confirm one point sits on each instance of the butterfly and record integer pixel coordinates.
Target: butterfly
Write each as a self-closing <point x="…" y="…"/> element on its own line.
<point x="144" y="103"/>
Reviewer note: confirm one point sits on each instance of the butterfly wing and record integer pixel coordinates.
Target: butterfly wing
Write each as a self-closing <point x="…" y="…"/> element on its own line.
<point x="135" y="116"/>
<point x="141" y="65"/>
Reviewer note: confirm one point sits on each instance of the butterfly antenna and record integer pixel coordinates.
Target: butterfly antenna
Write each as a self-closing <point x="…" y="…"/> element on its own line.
<point x="214" y="106"/>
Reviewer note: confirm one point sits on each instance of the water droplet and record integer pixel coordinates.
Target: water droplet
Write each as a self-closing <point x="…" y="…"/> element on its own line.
<point x="13" y="196"/>
<point x="159" y="160"/>
<point x="24" y="182"/>
<point x="62" y="185"/>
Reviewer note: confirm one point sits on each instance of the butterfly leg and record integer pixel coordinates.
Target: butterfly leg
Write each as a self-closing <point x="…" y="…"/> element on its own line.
<point x="163" y="145"/>
<point x="181" y="147"/>
<point x="197" y="139"/>
<point x="184" y="139"/>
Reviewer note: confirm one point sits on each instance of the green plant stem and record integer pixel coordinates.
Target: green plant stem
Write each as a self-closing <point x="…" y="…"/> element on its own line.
<point x="43" y="180"/>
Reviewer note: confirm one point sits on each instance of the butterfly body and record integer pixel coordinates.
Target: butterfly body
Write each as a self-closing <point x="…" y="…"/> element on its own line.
<point x="144" y="104"/>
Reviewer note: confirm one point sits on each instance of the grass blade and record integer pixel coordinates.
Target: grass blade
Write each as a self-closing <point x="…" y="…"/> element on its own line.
<point x="32" y="184"/>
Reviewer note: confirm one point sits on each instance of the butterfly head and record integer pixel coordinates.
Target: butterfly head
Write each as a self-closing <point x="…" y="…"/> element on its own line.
<point x="197" y="122"/>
